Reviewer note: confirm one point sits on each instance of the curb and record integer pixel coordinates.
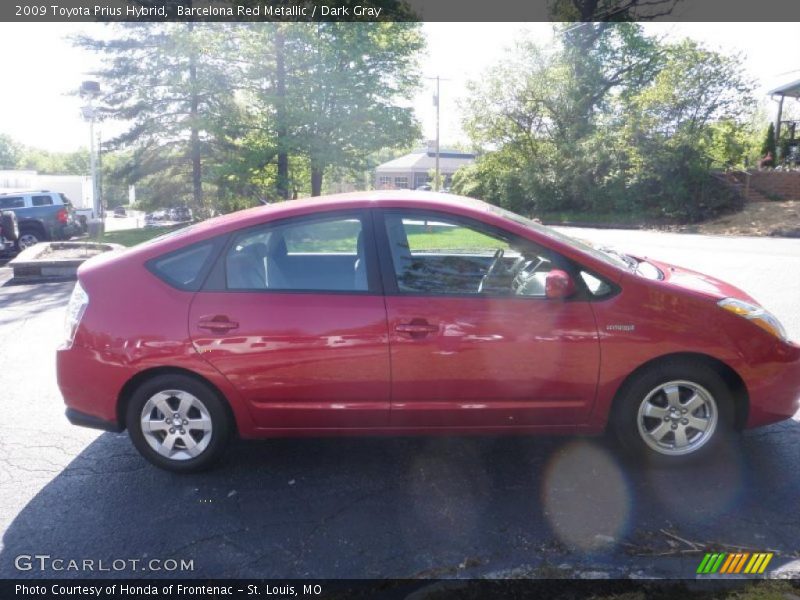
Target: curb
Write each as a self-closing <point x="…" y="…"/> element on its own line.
<point x="29" y="267"/>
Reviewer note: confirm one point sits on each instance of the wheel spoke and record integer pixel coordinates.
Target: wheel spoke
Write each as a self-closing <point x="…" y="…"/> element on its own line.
<point x="651" y="410"/>
<point x="192" y="447"/>
<point x="659" y="432"/>
<point x="673" y="396"/>
<point x="185" y="402"/>
<point x="680" y="437"/>
<point x="169" y="443"/>
<point x="201" y="424"/>
<point x="153" y="425"/>
<point x="693" y="403"/>
<point x="699" y="423"/>
<point x="162" y="403"/>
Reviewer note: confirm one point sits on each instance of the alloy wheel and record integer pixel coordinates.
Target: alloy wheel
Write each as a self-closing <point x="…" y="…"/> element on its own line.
<point x="176" y="424"/>
<point x="677" y="418"/>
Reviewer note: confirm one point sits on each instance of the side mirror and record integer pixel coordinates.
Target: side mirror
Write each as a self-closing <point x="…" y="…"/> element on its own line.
<point x="558" y="285"/>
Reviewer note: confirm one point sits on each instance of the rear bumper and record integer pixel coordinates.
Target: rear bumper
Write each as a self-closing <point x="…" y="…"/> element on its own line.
<point x="66" y="231"/>
<point x="85" y="420"/>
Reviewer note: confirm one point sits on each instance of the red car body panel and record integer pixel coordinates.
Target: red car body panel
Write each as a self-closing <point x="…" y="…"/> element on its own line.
<point x="547" y="352"/>
<point x="311" y="363"/>
<point x="305" y="360"/>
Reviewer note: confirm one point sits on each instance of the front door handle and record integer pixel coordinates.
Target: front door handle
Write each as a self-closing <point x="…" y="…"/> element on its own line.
<point x="416" y="328"/>
<point x="217" y="323"/>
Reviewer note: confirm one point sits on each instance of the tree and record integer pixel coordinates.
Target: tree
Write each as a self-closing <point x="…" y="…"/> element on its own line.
<point x="169" y="82"/>
<point x="770" y="145"/>
<point x="9" y="152"/>
<point x="610" y="10"/>
<point x="344" y="87"/>
<point x="607" y="120"/>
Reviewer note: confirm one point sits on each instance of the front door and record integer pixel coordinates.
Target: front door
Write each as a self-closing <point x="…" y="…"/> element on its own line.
<point x="473" y="340"/>
<point x="294" y="318"/>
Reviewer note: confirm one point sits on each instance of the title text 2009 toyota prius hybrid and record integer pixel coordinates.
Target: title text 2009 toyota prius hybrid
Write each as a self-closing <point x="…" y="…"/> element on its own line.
<point x="407" y="312"/>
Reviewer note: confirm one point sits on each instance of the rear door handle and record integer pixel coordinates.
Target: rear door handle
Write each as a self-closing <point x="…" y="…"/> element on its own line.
<point x="417" y="327"/>
<point x="217" y="323"/>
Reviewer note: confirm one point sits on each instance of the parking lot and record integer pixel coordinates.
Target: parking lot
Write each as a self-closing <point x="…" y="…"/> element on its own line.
<point x="392" y="507"/>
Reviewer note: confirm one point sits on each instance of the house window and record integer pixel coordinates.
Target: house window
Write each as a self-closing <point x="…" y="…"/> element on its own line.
<point x="401" y="183"/>
<point x="420" y="179"/>
<point x="384" y="182"/>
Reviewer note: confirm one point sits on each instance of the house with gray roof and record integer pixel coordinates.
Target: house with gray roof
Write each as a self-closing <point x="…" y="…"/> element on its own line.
<point x="414" y="170"/>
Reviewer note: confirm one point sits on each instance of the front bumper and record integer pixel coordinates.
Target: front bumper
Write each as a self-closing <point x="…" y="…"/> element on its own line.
<point x="774" y="388"/>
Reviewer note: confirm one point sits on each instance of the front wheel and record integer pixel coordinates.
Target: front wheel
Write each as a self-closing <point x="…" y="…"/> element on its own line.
<point x="672" y="412"/>
<point x="178" y="423"/>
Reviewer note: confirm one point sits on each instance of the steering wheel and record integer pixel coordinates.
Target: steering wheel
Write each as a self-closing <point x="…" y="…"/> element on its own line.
<point x="492" y="268"/>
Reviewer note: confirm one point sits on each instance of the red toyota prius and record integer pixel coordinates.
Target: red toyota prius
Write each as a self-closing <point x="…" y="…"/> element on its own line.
<point x="411" y="313"/>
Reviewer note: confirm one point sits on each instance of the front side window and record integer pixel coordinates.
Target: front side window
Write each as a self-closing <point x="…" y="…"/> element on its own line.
<point x="325" y="254"/>
<point x="441" y="255"/>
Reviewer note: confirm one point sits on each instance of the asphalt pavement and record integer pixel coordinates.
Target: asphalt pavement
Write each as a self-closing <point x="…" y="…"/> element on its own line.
<point x="391" y="507"/>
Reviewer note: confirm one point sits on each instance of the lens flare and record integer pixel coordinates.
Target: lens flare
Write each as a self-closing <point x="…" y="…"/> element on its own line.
<point x="585" y="497"/>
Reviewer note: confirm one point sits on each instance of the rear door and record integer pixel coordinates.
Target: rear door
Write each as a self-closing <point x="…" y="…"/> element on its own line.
<point x="293" y="315"/>
<point x="474" y="341"/>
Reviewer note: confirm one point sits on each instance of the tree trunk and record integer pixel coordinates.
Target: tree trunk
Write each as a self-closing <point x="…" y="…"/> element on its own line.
<point x="282" y="183"/>
<point x="197" y="176"/>
<point x="316" y="180"/>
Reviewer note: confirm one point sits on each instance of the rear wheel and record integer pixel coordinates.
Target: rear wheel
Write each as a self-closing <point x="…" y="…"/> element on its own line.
<point x="29" y="236"/>
<point x="672" y="412"/>
<point x="178" y="423"/>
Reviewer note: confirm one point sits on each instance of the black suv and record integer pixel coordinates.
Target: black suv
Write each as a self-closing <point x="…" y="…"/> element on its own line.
<point x="42" y="216"/>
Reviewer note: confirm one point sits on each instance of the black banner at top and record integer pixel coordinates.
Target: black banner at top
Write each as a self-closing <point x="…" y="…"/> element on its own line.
<point x="398" y="10"/>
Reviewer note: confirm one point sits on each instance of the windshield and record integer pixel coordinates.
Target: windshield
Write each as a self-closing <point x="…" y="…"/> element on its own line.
<point x="608" y="256"/>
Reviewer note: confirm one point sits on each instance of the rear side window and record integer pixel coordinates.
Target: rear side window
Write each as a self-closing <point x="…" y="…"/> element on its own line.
<point x="42" y="201"/>
<point x="12" y="202"/>
<point x="184" y="268"/>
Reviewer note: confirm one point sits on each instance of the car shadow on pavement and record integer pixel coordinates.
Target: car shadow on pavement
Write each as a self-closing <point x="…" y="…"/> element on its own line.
<point x="20" y="300"/>
<point x="402" y="507"/>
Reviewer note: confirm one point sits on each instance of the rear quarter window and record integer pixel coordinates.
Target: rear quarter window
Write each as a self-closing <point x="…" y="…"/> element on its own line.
<point x="184" y="268"/>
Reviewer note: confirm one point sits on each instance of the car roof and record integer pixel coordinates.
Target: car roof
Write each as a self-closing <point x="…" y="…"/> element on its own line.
<point x="26" y="192"/>
<point x="423" y="200"/>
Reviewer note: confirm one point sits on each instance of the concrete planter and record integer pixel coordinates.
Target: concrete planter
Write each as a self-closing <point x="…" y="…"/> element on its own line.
<point x="55" y="260"/>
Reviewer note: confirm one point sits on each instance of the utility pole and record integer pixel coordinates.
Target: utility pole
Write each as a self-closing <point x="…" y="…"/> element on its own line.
<point x="436" y="177"/>
<point x="89" y="91"/>
<point x="437" y="103"/>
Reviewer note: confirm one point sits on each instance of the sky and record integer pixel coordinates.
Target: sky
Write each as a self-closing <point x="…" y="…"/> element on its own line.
<point x="41" y="69"/>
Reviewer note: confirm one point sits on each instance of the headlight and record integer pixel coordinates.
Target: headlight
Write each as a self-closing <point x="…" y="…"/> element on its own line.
<point x="75" y="309"/>
<point x="755" y="314"/>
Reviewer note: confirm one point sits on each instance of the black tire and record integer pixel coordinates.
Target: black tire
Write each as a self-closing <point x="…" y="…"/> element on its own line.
<point x="643" y="443"/>
<point x="219" y="434"/>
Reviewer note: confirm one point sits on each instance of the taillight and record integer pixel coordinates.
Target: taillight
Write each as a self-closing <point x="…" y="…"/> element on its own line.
<point x="62" y="216"/>
<point x="75" y="309"/>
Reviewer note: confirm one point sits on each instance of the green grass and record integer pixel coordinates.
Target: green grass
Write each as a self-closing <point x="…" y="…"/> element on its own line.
<point x="131" y="237"/>
<point x="435" y="237"/>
